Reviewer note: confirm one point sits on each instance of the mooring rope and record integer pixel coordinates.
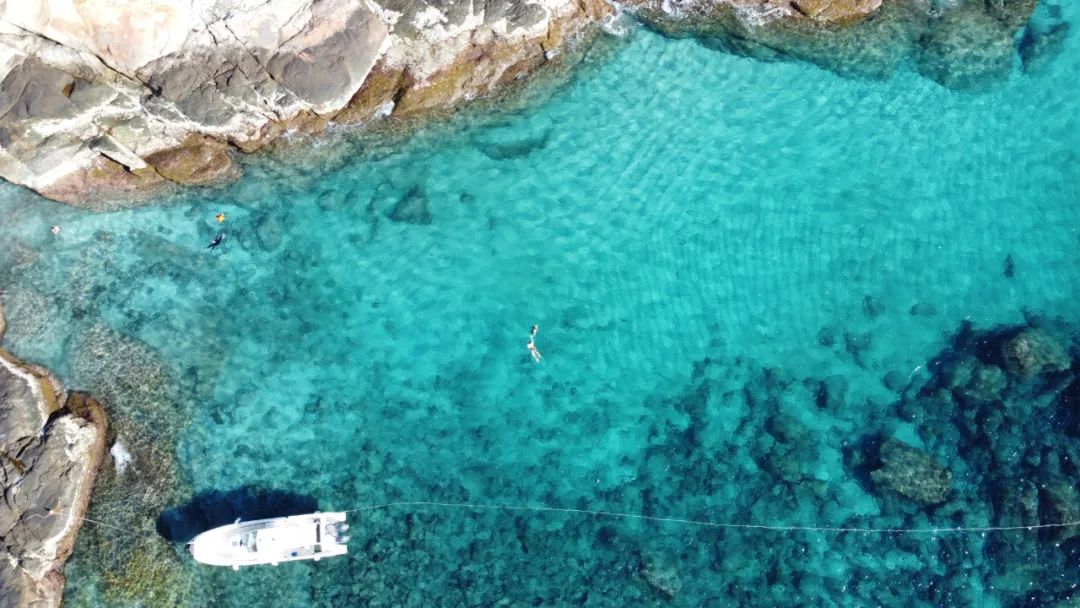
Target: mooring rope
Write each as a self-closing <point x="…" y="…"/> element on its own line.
<point x="660" y="519"/>
<point x="711" y="524"/>
<point x="81" y="518"/>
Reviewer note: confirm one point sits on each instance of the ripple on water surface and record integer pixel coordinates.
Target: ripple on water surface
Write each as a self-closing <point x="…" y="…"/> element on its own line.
<point x="740" y="271"/>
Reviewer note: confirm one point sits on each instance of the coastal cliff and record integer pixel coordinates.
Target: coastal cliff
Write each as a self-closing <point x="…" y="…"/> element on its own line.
<point x="101" y="99"/>
<point x="51" y="445"/>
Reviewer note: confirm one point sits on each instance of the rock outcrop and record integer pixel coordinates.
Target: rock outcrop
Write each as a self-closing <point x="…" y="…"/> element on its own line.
<point x="100" y="98"/>
<point x="51" y="445"/>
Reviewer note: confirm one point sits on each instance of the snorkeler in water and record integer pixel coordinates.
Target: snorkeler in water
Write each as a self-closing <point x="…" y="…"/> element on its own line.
<point x="532" y="344"/>
<point x="217" y="241"/>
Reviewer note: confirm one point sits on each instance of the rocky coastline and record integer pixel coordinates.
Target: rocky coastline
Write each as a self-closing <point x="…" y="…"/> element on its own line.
<point x="101" y="101"/>
<point x="52" y="443"/>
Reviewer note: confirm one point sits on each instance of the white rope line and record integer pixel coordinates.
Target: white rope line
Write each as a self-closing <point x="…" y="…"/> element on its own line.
<point x="658" y="519"/>
<point x="80" y="518"/>
<point x="711" y="524"/>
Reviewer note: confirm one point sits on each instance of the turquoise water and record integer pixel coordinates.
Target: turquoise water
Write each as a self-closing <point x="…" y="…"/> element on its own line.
<point x="702" y="239"/>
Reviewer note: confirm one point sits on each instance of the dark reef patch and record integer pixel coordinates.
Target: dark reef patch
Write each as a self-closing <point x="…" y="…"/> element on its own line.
<point x="980" y="441"/>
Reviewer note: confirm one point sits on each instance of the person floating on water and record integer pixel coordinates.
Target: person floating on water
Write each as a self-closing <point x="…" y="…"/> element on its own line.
<point x="55" y="229"/>
<point x="532" y="344"/>
<point x="217" y="241"/>
<point x="220" y="218"/>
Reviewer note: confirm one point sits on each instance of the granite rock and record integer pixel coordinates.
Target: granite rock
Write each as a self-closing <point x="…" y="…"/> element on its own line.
<point x="102" y="99"/>
<point x="51" y="445"/>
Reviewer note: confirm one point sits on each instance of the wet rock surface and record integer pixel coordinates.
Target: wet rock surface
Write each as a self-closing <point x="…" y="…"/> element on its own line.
<point x="51" y="445"/>
<point x="151" y="93"/>
<point x="167" y="92"/>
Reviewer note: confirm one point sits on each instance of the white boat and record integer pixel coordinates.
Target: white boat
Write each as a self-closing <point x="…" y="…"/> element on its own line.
<point x="272" y="541"/>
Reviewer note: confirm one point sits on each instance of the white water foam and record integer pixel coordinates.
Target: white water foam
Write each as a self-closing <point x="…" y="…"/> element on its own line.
<point x="619" y="23"/>
<point x="121" y="456"/>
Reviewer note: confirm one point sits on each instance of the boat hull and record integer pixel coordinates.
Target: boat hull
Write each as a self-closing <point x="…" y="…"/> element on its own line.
<point x="272" y="541"/>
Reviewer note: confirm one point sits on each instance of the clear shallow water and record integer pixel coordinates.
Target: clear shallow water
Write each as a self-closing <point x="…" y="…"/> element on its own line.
<point x="672" y="205"/>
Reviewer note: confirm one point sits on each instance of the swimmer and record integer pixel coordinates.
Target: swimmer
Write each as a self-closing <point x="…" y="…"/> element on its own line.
<point x="220" y="218"/>
<point x="217" y="241"/>
<point x="532" y="344"/>
<point x="55" y="229"/>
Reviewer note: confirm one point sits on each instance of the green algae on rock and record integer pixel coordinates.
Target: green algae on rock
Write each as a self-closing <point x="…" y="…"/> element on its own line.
<point x="912" y="473"/>
<point x="1032" y="352"/>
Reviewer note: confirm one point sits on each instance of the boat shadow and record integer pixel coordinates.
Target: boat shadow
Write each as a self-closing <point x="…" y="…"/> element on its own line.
<point x="215" y="508"/>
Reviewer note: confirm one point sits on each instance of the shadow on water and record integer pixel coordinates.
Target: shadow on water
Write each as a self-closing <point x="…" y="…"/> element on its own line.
<point x="219" y="507"/>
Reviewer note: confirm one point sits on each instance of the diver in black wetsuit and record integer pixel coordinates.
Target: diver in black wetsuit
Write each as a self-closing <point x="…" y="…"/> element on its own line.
<point x="217" y="241"/>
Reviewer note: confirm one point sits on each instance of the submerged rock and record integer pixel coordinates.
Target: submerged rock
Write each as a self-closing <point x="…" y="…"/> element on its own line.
<point x="872" y="307"/>
<point x="967" y="48"/>
<point x="661" y="576"/>
<point x="412" y="208"/>
<point x="1040" y="47"/>
<point x="895" y="381"/>
<point x="912" y="474"/>
<point x="1059" y="502"/>
<point x="922" y="309"/>
<point x="269" y="231"/>
<point x="831" y="393"/>
<point x="977" y="382"/>
<point x="1032" y="352"/>
<point x="51" y="446"/>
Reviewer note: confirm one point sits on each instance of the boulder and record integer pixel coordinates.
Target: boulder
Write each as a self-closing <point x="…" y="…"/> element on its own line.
<point x="196" y="161"/>
<point x="96" y="94"/>
<point x="836" y="11"/>
<point x="912" y="474"/>
<point x="1032" y="352"/>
